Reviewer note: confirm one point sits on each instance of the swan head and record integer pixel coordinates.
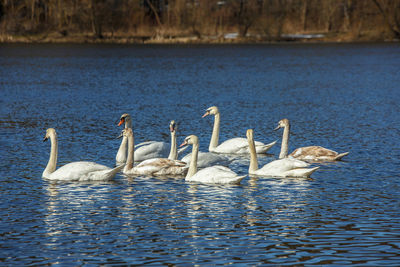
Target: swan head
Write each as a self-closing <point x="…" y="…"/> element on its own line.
<point x="125" y="118"/>
<point x="282" y="124"/>
<point x="49" y="132"/>
<point x="172" y="126"/>
<point x="211" y="111"/>
<point x="250" y="134"/>
<point x="190" y="140"/>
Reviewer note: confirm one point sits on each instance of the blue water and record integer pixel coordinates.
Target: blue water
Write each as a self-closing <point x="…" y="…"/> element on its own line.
<point x="344" y="97"/>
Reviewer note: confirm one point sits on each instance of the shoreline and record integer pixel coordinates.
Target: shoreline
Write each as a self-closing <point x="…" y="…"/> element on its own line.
<point x="55" y="38"/>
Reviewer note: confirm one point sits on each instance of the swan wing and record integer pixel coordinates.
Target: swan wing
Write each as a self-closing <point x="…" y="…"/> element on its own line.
<point x="236" y="145"/>
<point x="240" y="145"/>
<point x="206" y="159"/>
<point x="160" y="166"/>
<point x="286" y="167"/>
<point x="314" y="153"/>
<point x="216" y="175"/>
<point x="151" y="150"/>
<point x="282" y="165"/>
<point x="80" y="171"/>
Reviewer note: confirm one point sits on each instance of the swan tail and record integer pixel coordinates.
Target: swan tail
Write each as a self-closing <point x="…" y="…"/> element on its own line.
<point x="310" y="171"/>
<point x="341" y="155"/>
<point x="265" y="148"/>
<point x="111" y="173"/>
<point x="235" y="180"/>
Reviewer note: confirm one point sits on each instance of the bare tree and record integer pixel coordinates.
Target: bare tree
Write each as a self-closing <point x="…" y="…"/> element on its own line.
<point x="390" y="10"/>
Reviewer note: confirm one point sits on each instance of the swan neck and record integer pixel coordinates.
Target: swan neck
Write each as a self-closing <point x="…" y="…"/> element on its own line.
<point x="52" y="164"/>
<point x="131" y="152"/>
<point x="215" y="133"/>
<point x="121" y="154"/>
<point x="253" y="155"/>
<point x="173" y="153"/>
<point x="285" y="142"/>
<point x="193" y="161"/>
<point x="128" y="124"/>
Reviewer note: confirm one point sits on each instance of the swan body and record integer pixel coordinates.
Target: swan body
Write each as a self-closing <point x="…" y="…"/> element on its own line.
<point x="155" y="166"/>
<point x="309" y="153"/>
<point x="74" y="171"/>
<point x="232" y="146"/>
<point x="215" y="174"/>
<point x="151" y="149"/>
<point x="206" y="159"/>
<point x="286" y="167"/>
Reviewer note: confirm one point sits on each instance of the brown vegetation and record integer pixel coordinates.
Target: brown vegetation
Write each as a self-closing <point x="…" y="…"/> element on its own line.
<point x="198" y="20"/>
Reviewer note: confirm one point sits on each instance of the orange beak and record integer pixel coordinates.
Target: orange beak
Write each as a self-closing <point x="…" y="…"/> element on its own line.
<point x="121" y="121"/>
<point x="183" y="144"/>
<point x="206" y="114"/>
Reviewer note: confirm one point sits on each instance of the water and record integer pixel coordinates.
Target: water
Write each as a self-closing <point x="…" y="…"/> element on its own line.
<point x="344" y="97"/>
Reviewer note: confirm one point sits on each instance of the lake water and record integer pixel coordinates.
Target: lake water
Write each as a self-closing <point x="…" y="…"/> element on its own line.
<point x="344" y="97"/>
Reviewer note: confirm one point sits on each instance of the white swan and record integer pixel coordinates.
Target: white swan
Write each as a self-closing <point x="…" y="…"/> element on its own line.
<point x="215" y="174"/>
<point x="278" y="168"/>
<point x="236" y="145"/>
<point x="310" y="153"/>
<point x="152" y="167"/>
<point x="74" y="171"/>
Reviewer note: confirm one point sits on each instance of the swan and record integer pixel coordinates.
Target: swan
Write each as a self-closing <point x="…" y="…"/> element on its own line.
<point x="311" y="153"/>
<point x="286" y="167"/>
<point x="74" y="171"/>
<point x="144" y="150"/>
<point x="236" y="145"/>
<point x="215" y="174"/>
<point x="153" y="167"/>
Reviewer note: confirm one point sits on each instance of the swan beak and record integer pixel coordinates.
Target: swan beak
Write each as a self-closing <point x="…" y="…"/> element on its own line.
<point x="206" y="114"/>
<point x="183" y="144"/>
<point x="278" y="127"/>
<point x="45" y="139"/>
<point x="121" y="121"/>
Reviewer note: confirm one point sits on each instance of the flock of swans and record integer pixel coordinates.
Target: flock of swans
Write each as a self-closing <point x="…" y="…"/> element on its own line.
<point x="160" y="159"/>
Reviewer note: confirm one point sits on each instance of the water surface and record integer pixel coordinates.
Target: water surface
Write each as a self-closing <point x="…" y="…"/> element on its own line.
<point x="344" y="97"/>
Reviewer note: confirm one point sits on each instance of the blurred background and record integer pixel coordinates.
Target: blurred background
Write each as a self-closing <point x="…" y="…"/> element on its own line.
<point x="138" y="21"/>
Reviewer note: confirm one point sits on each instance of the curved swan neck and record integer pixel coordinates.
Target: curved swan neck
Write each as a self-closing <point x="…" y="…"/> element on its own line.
<point x="193" y="161"/>
<point x="173" y="153"/>
<point x="131" y="152"/>
<point x="253" y="155"/>
<point x="215" y="133"/>
<point x="285" y="142"/>
<point x="52" y="164"/>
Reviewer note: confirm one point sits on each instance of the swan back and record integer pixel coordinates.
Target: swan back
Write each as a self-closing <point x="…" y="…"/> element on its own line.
<point x="316" y="153"/>
<point x="159" y="167"/>
<point x="216" y="175"/>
